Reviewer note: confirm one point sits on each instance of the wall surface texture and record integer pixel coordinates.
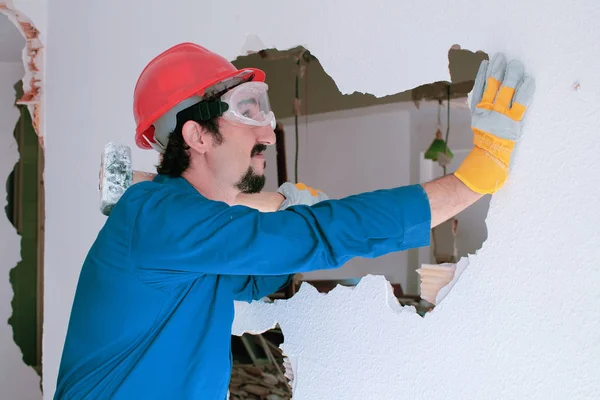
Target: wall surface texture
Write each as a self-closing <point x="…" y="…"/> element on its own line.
<point x="17" y="381"/>
<point x="522" y="320"/>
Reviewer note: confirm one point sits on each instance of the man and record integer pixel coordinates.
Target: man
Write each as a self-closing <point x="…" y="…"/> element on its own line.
<point x="154" y="304"/>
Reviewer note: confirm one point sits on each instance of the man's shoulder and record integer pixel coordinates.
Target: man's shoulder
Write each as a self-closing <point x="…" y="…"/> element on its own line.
<point x="142" y="194"/>
<point x="156" y="190"/>
<point x="169" y="197"/>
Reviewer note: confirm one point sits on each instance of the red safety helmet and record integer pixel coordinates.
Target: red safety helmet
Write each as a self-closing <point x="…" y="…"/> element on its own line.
<point x="181" y="72"/>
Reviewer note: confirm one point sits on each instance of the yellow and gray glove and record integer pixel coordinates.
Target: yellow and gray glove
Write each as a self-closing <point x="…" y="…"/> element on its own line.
<point x="299" y="193"/>
<point x="501" y="95"/>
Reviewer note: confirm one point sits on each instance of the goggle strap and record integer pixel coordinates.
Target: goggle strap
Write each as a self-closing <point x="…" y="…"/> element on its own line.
<point x="210" y="109"/>
<point x="203" y="111"/>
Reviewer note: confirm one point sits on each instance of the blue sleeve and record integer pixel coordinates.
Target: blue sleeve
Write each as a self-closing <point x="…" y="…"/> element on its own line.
<point x="184" y="233"/>
<point x="255" y="287"/>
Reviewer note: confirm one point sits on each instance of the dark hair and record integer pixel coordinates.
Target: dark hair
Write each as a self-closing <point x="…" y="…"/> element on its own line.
<point x="176" y="158"/>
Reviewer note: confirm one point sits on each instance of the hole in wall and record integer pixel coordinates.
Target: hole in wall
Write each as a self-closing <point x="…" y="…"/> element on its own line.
<point x="25" y="190"/>
<point x="22" y="210"/>
<point x="376" y="143"/>
<point x="260" y="370"/>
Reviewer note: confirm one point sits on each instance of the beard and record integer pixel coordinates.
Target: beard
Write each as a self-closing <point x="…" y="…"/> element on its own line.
<point x="251" y="182"/>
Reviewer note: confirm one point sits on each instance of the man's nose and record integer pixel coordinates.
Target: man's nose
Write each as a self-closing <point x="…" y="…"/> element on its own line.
<point x="265" y="135"/>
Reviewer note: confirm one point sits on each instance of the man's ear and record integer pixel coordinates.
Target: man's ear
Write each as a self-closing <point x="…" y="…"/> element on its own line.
<point x="196" y="137"/>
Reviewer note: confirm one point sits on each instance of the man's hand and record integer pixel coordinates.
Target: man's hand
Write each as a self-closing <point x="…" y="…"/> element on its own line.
<point x="287" y="195"/>
<point x="299" y="193"/>
<point x="501" y="95"/>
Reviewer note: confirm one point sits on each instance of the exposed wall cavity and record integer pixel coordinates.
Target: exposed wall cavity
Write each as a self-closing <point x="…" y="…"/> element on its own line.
<point x="20" y="366"/>
<point x="17" y="380"/>
<point x="23" y="211"/>
<point x="355" y="125"/>
<point x="260" y="369"/>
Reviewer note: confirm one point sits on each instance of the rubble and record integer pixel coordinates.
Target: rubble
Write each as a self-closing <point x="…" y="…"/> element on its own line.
<point x="262" y="382"/>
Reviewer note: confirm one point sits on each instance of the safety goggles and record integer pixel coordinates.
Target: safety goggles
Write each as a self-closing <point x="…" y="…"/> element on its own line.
<point x="249" y="104"/>
<point x="246" y="104"/>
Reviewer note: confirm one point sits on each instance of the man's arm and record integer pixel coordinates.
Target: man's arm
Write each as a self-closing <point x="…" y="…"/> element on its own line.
<point x="179" y="233"/>
<point x="448" y="196"/>
<point x="255" y="287"/>
<point x="263" y="201"/>
<point x="287" y="195"/>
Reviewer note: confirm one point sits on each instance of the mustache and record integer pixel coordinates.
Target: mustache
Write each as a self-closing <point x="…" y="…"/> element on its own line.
<point x="259" y="148"/>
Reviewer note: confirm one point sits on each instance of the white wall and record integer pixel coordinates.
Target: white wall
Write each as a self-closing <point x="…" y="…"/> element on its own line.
<point x="521" y="322"/>
<point x="17" y="381"/>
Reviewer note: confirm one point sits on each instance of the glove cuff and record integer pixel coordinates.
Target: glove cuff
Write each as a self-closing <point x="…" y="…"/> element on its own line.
<point x="486" y="167"/>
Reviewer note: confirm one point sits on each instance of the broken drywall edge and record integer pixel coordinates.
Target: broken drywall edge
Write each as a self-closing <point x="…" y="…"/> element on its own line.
<point x="31" y="98"/>
<point x="24" y="381"/>
<point x="433" y="278"/>
<point x="25" y="269"/>
<point x="290" y="365"/>
<point x="32" y="60"/>
<point x="336" y="295"/>
<point x="308" y="293"/>
<point x="264" y="313"/>
<point x="462" y="264"/>
<point x="258" y="316"/>
<point x="252" y="45"/>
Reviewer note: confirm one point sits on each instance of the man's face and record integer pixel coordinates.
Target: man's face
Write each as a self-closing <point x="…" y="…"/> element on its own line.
<point x="239" y="160"/>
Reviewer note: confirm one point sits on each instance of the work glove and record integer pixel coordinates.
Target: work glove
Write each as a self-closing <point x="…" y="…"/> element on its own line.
<point x="299" y="193"/>
<point x="501" y="95"/>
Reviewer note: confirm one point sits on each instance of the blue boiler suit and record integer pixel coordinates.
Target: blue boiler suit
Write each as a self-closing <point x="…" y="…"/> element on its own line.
<point x="154" y="304"/>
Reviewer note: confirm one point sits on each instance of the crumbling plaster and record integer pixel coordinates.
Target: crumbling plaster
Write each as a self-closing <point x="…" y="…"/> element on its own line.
<point x="522" y="320"/>
<point x="18" y="381"/>
<point x="29" y="18"/>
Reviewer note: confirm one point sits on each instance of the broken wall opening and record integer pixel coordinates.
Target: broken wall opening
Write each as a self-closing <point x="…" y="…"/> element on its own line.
<point x="346" y="144"/>
<point x="260" y="369"/>
<point x="24" y="207"/>
<point x="24" y="210"/>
